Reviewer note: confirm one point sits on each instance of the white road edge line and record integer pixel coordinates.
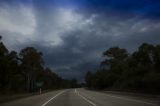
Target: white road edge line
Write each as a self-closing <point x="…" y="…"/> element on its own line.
<point x="85" y="98"/>
<point x="134" y="100"/>
<point x="52" y="98"/>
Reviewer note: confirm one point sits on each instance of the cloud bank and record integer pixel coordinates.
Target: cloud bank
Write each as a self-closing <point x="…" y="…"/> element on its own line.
<point x="72" y="35"/>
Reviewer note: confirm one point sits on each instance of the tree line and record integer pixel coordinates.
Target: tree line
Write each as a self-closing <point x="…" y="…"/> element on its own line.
<point x="25" y="72"/>
<point x="139" y="71"/>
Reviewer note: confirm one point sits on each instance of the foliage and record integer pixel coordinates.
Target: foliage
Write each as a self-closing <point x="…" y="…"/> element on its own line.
<point x="137" y="71"/>
<point x="21" y="72"/>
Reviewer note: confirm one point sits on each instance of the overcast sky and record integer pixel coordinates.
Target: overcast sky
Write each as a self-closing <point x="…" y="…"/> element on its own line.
<point x="72" y="34"/>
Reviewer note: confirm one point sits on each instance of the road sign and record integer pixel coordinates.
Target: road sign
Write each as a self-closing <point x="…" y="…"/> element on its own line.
<point x="39" y="84"/>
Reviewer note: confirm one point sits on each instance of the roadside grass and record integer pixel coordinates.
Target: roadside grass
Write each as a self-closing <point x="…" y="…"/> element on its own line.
<point x="7" y="97"/>
<point x="4" y="98"/>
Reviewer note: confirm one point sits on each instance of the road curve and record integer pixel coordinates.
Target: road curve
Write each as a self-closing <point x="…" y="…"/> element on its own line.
<point x="82" y="97"/>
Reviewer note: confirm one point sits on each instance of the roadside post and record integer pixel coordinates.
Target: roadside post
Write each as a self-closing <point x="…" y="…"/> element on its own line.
<point x="39" y="85"/>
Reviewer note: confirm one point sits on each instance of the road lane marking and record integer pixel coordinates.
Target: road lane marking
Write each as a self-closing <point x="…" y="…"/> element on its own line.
<point x="53" y="98"/>
<point x="134" y="100"/>
<point x="85" y="98"/>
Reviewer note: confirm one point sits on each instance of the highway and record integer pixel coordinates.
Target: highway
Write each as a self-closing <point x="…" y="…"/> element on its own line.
<point x="82" y="97"/>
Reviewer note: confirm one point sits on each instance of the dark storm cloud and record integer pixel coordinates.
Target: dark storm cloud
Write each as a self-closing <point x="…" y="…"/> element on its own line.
<point x="72" y="34"/>
<point x="143" y="8"/>
<point x="82" y="49"/>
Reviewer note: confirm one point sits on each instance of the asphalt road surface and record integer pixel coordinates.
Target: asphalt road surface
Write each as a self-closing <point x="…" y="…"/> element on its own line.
<point x="82" y="97"/>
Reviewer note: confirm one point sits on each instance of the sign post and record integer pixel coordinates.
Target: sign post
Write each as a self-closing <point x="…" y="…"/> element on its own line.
<point x="39" y="85"/>
<point x="40" y="91"/>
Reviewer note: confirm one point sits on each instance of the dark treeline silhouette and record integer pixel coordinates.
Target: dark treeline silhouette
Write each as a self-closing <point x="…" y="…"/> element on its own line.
<point x="24" y="72"/>
<point x="139" y="71"/>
